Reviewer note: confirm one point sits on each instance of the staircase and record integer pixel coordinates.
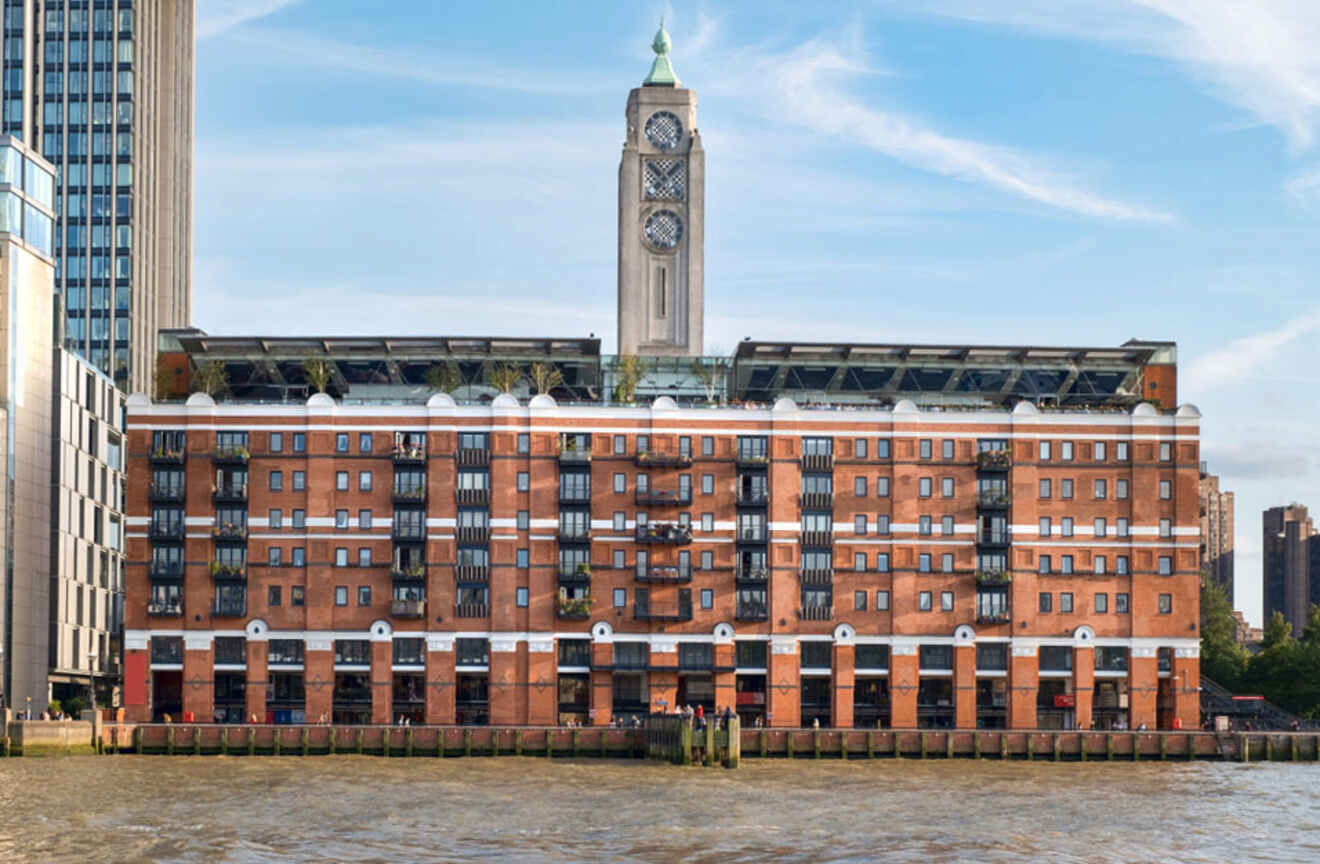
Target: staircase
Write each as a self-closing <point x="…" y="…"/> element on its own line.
<point x="1216" y="699"/>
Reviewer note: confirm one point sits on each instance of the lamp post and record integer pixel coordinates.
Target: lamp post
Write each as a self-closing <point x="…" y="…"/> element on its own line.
<point x="91" y="682"/>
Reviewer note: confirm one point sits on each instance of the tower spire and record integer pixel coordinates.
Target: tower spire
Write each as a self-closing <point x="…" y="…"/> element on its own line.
<point x="662" y="72"/>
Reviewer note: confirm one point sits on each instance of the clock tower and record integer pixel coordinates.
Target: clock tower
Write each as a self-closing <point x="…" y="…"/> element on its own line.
<point x="662" y="192"/>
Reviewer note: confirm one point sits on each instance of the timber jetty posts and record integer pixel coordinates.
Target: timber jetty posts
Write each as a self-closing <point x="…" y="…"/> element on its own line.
<point x="674" y="739"/>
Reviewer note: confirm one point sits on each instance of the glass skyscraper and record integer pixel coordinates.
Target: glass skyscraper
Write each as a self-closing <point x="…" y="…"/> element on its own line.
<point x="104" y="90"/>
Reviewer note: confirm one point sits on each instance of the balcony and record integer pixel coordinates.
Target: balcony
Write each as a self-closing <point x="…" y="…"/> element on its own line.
<point x="816" y="500"/>
<point x="167" y="456"/>
<point x="653" y="459"/>
<point x="408" y="532"/>
<point x="408" y="608"/>
<point x="414" y="495"/>
<point x="816" y="613"/>
<point x="659" y="533"/>
<point x="165" y="493"/>
<point x="816" y="577"/>
<point x="817" y="461"/>
<point x="750" y="574"/>
<point x="752" y="459"/>
<point x="472" y="610"/>
<point x="168" y="609"/>
<point x="752" y="612"/>
<point x="473" y="533"/>
<point x="229" y="608"/>
<point x="661" y="498"/>
<point x="824" y="539"/>
<point x="754" y="534"/>
<point x="574" y="496"/>
<point x="990" y="500"/>
<point x="571" y="454"/>
<point x="231" y="455"/>
<point x="472" y="496"/>
<point x="993" y="577"/>
<point x="165" y="571"/>
<point x="579" y="575"/>
<point x="172" y="532"/>
<point x="472" y="572"/>
<point x="994" y="618"/>
<point x="230" y="533"/>
<point x="407" y="455"/>
<point x="573" y="608"/>
<point x="573" y="536"/>
<point x="223" y="572"/>
<point x="472" y="457"/>
<point x="669" y="614"/>
<point x="231" y="493"/>
<point x="994" y="461"/>
<point x="992" y="538"/>
<point x="408" y="573"/>
<point x="669" y="574"/>
<point x="758" y="498"/>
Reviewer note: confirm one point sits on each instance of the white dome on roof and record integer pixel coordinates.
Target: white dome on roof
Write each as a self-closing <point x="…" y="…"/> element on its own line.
<point x="200" y="400"/>
<point x="543" y="401"/>
<point x="320" y="399"/>
<point x="1025" y="407"/>
<point x="664" y="403"/>
<point x="504" y="401"/>
<point x="1145" y="409"/>
<point x="783" y="403"/>
<point x="441" y="400"/>
<point x="906" y="406"/>
<point x="1188" y="410"/>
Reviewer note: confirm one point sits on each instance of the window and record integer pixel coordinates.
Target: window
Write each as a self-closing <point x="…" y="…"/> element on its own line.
<point x="364" y="519"/>
<point x="1044" y="451"/>
<point x="707" y="559"/>
<point x="273" y="556"/>
<point x="707" y="484"/>
<point x="1166" y="490"/>
<point x="1046" y="602"/>
<point x="620" y="445"/>
<point x="1044" y="488"/>
<point x="1121" y="603"/>
<point x="1098" y="564"/>
<point x="1100" y="526"/>
<point x="946" y="526"/>
<point x="1066" y="601"/>
<point x="859" y="601"/>
<point x="1098" y="451"/>
<point x="1121" y="451"/>
<point x="1166" y="451"/>
<point x="341" y="519"/>
<point x="299" y="519"/>
<point x="524" y="521"/>
<point x="924" y="601"/>
<point x="364" y="442"/>
<point x="1121" y="526"/>
<point x="1066" y="564"/>
<point x="1043" y="564"/>
<point x="946" y="562"/>
<point x="882" y="523"/>
<point x="273" y="595"/>
<point x="924" y="448"/>
<point x="341" y="595"/>
<point x="707" y="445"/>
<point x="1066" y="526"/>
<point x="859" y="524"/>
<point x="1101" y="488"/>
<point x="1066" y="488"/>
<point x="364" y="556"/>
<point x="620" y="520"/>
<point x="882" y="601"/>
<point x="946" y="601"/>
<point x="521" y="598"/>
<point x="882" y="562"/>
<point x="523" y="559"/>
<point x="923" y="562"/>
<point x="300" y="480"/>
<point x="859" y="561"/>
<point x="1044" y="526"/>
<point x="923" y="526"/>
<point x="299" y="442"/>
<point x="882" y="487"/>
<point x="341" y="481"/>
<point x="1166" y="528"/>
<point x="364" y="481"/>
<point x="341" y="556"/>
<point x="1102" y="603"/>
<point x="296" y="594"/>
<point x="1066" y="451"/>
<point x="1166" y="604"/>
<point x="1121" y="490"/>
<point x="276" y="481"/>
<point x="923" y="487"/>
<point x="859" y="487"/>
<point x="859" y="452"/>
<point x="275" y="519"/>
<point x="620" y="598"/>
<point x="946" y="449"/>
<point x="707" y="598"/>
<point x="1121" y="565"/>
<point x="620" y="483"/>
<point x="341" y="442"/>
<point x="1166" y="565"/>
<point x="364" y="594"/>
<point x="276" y="442"/>
<point x="524" y="481"/>
<point x="685" y="446"/>
<point x="524" y="443"/>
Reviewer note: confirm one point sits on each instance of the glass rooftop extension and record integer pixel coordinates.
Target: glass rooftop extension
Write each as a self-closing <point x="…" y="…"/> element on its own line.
<point x="475" y="370"/>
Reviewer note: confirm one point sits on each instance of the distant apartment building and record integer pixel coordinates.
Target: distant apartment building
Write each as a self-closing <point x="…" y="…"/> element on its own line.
<point x="1291" y="564"/>
<point x="1216" y="509"/>
<point x="104" y="91"/>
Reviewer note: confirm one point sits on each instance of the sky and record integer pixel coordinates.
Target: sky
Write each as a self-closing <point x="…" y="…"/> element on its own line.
<point x="1074" y="172"/>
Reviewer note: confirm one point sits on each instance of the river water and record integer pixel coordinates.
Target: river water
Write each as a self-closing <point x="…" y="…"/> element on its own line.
<point x="355" y="808"/>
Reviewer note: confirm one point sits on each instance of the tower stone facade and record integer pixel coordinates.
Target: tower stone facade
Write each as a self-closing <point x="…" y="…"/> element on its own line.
<point x="662" y="191"/>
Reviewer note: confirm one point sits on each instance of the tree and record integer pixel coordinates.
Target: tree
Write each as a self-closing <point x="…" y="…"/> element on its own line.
<point x="318" y="373"/>
<point x="628" y="374"/>
<point x="444" y="377"/>
<point x="212" y="378"/>
<point x="709" y="376"/>
<point x="1278" y="632"/>
<point x="504" y="377"/>
<point x="1222" y="658"/>
<point x="545" y="376"/>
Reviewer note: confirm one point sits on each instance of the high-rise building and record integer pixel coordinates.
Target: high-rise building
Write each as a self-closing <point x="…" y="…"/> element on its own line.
<point x="1291" y="564"/>
<point x="662" y="216"/>
<point x="1216" y="532"/>
<point x="104" y="91"/>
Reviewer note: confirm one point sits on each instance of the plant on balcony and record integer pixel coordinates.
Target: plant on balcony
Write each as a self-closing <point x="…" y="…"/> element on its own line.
<point x="229" y="529"/>
<point x="993" y="458"/>
<point x="413" y="493"/>
<point x="579" y="607"/>
<point x="994" y="577"/>
<point x="583" y="569"/>
<point x="504" y="377"/>
<point x="444" y="377"/>
<point x="628" y="374"/>
<point x="408" y="571"/>
<point x="220" y="568"/>
<point x="545" y="376"/>
<point x="233" y="451"/>
<point x="994" y="498"/>
<point x="212" y="378"/>
<point x="318" y="372"/>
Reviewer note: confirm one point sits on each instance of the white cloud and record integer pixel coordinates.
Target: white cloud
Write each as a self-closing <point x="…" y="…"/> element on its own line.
<point x="217" y="16"/>
<point x="1240" y="357"/>
<point x="1305" y="187"/>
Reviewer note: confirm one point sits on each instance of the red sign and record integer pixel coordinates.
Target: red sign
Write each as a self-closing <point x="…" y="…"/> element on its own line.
<point x="751" y="698"/>
<point x="1065" y="700"/>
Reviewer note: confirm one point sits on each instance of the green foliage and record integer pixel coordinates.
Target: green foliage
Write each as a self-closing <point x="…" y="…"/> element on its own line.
<point x="629" y="375"/>
<point x="1222" y="658"/>
<point x="318" y="372"/>
<point x="444" y="377"/>
<point x="504" y="377"/>
<point x="545" y="376"/>
<point x="212" y="378"/>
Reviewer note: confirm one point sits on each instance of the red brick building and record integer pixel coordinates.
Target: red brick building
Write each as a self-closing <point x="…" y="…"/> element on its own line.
<point x="1022" y="562"/>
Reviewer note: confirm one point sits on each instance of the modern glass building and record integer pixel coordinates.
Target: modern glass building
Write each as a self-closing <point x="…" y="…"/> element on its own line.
<point x="104" y="90"/>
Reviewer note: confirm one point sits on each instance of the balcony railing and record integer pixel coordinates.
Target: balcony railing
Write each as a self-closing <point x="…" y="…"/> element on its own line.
<point x="574" y="535"/>
<point x="472" y="496"/>
<point x="233" y="455"/>
<point x="994" y="618"/>
<point x="226" y="572"/>
<point x="408" y="532"/>
<point x="232" y="493"/>
<point x="408" y="455"/>
<point x="992" y="538"/>
<point x="752" y="612"/>
<point x="817" y="461"/>
<point x="408" y="608"/>
<point x="816" y="613"/>
<point x="994" y="460"/>
<point x="574" y="496"/>
<point x="654" y="459"/>
<point x="664" y="532"/>
<point x="166" y="571"/>
<point x="171" y="531"/>
<point x="574" y="455"/>
<point x="994" y="500"/>
<point x="757" y="498"/>
<point x="816" y="500"/>
<point x="993" y="577"/>
<point x="574" y="608"/>
<point x="472" y="610"/>
<point x="647" y="612"/>
<point x="816" y="576"/>
<point x="473" y="533"/>
<point x="472" y="457"/>
<point x="167" y="456"/>
<point x="229" y="608"/>
<point x="409" y="495"/>
<point x="408" y="573"/>
<point x="662" y="498"/>
<point x="165" y="493"/>
<point x="664" y="573"/>
<point x="579" y="575"/>
<point x="751" y="535"/>
<point x="229" y="532"/>
<point x="750" y="574"/>
<point x="818" y="538"/>
<point x="748" y="459"/>
<point x="167" y="609"/>
<point x="472" y="572"/>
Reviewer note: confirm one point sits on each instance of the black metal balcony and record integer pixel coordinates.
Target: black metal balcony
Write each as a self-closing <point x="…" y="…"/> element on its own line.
<point x="167" y="456"/>
<point x="754" y="535"/>
<point x="472" y="457"/>
<point x="988" y="500"/>
<point x="231" y="455"/>
<point x="408" y="455"/>
<point x="663" y="573"/>
<point x="472" y="496"/>
<point x="408" y="608"/>
<point x="229" y="608"/>
<point x="752" y="459"/>
<point x="167" y="609"/>
<point x="816" y="613"/>
<point x="994" y="618"/>
<point x="816" y="500"/>
<point x="230" y="533"/>
<point x="655" y="459"/>
<point x="168" y="532"/>
<point x="165" y="493"/>
<point x="473" y="533"/>
<point x="165" y="571"/>
<point x="820" y="576"/>
<point x="994" y="577"/>
<point x="752" y="612"/>
<point x="573" y="536"/>
<point x="751" y="574"/>
<point x="993" y="461"/>
<point x="225" y="572"/>
<point x="992" y="538"/>
<point x="472" y="610"/>
<point x="661" y="533"/>
<point x="472" y="572"/>
<point x="409" y="495"/>
<point x="817" y="461"/>
<point x="668" y="614"/>
<point x="662" y="498"/>
<point x="575" y="496"/>
<point x="408" y="573"/>
<point x="574" y="455"/>
<point x="579" y="575"/>
<point x="230" y="493"/>
<point x="408" y="532"/>
<point x="821" y="539"/>
<point x="759" y="498"/>
<point x="573" y="608"/>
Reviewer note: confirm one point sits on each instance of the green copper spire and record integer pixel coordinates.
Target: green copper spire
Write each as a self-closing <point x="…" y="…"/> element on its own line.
<point x="662" y="73"/>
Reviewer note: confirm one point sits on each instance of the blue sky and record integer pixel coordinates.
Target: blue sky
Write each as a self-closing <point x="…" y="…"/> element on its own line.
<point x="991" y="171"/>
